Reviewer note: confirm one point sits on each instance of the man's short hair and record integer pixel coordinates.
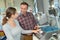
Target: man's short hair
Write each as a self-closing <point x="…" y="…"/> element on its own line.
<point x="24" y="3"/>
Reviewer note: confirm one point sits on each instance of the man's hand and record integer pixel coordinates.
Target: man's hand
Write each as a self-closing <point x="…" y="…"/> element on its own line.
<point x="36" y="27"/>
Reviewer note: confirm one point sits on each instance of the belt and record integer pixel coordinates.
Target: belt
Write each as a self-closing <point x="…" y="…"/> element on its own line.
<point x="27" y="34"/>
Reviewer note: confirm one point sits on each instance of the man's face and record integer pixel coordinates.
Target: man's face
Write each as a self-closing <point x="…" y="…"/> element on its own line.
<point x="24" y="8"/>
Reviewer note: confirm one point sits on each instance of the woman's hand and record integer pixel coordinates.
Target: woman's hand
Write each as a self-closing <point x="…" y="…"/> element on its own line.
<point x="35" y="31"/>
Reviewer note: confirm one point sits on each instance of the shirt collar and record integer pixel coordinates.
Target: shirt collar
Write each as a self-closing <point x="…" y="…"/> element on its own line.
<point x="24" y="15"/>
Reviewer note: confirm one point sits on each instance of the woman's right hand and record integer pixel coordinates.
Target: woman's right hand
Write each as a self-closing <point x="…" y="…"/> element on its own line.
<point x="35" y="31"/>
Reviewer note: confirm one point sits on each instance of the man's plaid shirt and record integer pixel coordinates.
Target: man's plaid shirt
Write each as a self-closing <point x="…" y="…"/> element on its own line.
<point x="27" y="22"/>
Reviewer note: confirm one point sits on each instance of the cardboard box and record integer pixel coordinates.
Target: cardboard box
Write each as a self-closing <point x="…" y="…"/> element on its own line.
<point x="2" y="33"/>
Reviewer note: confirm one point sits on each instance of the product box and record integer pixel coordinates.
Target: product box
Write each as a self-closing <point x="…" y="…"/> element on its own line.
<point x="1" y="33"/>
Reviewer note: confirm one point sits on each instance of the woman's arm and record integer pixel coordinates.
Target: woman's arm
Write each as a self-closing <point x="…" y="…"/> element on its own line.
<point x="26" y="31"/>
<point x="29" y="31"/>
<point x="22" y="30"/>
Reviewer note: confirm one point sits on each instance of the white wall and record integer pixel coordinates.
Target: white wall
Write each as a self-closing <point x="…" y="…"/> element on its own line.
<point x="40" y="5"/>
<point x="43" y="5"/>
<point x="46" y="5"/>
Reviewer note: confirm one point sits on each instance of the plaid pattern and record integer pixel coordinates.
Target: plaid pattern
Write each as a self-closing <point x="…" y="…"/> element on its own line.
<point x="27" y="22"/>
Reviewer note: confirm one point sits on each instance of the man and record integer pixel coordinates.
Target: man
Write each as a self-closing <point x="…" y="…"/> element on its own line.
<point x="26" y="20"/>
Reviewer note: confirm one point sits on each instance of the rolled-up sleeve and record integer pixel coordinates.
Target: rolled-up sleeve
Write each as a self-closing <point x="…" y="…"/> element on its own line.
<point x="26" y="31"/>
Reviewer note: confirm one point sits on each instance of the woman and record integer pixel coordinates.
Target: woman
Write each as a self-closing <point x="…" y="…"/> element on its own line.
<point x="11" y="27"/>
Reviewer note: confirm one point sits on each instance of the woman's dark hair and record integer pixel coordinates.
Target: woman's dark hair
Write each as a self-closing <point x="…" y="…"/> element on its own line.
<point x="10" y="11"/>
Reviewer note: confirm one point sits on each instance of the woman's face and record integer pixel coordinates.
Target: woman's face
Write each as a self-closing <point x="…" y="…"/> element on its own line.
<point x="15" y="16"/>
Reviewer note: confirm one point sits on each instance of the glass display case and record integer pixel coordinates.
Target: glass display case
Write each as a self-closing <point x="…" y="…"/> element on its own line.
<point x="49" y="24"/>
